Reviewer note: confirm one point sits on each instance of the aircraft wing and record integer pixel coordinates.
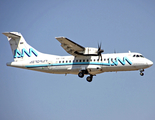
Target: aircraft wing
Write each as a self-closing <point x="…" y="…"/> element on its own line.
<point x="70" y="46"/>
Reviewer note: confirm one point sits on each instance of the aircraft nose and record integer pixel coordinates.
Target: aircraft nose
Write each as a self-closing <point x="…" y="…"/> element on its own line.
<point x="150" y="63"/>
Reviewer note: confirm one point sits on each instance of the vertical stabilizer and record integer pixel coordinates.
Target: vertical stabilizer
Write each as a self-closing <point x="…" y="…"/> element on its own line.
<point x="20" y="49"/>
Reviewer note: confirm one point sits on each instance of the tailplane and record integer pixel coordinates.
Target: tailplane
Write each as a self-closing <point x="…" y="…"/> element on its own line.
<point x="20" y="49"/>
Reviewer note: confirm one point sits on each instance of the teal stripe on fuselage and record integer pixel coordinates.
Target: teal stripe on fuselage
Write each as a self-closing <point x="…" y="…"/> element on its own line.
<point x="40" y="65"/>
<point x="65" y="64"/>
<point x="81" y="63"/>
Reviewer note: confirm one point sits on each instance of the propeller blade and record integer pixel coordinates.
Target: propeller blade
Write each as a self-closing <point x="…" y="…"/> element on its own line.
<point x="98" y="47"/>
<point x="99" y="51"/>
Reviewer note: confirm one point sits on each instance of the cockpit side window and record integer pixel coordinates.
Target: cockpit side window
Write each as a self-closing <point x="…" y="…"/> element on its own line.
<point x="134" y="55"/>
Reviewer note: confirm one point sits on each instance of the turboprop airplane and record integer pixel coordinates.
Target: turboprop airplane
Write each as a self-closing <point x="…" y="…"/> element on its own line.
<point x="84" y="60"/>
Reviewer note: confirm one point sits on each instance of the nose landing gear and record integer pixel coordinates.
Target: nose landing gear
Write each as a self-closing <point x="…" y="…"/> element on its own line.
<point x="141" y="72"/>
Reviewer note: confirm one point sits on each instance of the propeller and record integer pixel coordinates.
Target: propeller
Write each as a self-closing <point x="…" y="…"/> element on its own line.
<point x="100" y="51"/>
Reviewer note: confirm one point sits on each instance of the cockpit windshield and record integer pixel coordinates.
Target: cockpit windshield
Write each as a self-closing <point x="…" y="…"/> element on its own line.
<point x="138" y="55"/>
<point x="141" y="56"/>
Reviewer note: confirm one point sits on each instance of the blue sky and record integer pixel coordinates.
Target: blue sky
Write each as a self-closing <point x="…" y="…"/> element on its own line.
<point x="120" y="25"/>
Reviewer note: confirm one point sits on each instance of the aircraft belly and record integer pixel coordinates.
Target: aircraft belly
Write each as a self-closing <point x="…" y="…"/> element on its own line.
<point x="69" y="69"/>
<point x="94" y="69"/>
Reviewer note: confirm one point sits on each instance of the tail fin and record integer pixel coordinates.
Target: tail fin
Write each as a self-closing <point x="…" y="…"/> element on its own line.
<point x="20" y="49"/>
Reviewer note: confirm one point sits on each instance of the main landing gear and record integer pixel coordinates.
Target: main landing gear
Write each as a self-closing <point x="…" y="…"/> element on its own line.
<point x="89" y="78"/>
<point x="141" y="72"/>
<point x="81" y="75"/>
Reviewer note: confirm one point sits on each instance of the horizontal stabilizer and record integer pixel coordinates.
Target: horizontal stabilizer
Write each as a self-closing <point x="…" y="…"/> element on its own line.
<point x="13" y="35"/>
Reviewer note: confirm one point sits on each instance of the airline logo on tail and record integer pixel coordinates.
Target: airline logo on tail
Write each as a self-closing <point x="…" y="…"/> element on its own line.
<point x="18" y="54"/>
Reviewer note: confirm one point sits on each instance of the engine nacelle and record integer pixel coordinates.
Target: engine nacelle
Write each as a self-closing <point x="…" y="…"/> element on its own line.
<point x="89" y="51"/>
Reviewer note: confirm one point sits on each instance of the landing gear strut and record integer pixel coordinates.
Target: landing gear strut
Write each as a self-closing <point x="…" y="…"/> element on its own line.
<point x="141" y="72"/>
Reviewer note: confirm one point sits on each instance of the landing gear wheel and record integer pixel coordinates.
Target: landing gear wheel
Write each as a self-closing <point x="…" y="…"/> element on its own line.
<point x="89" y="78"/>
<point x="81" y="74"/>
<point x="141" y="74"/>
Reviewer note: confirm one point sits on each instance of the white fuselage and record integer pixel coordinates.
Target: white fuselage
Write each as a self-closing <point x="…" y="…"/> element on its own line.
<point x="84" y="60"/>
<point x="72" y="65"/>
